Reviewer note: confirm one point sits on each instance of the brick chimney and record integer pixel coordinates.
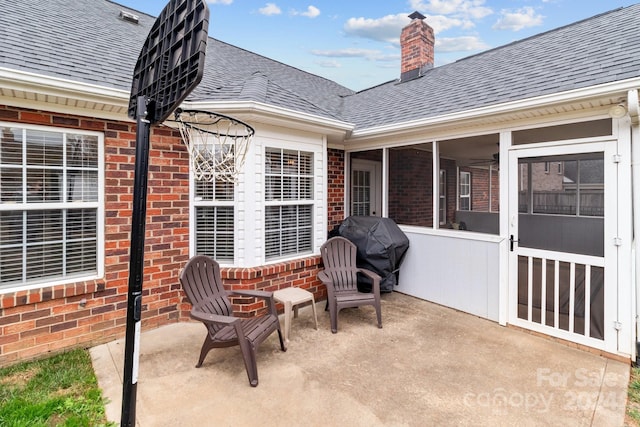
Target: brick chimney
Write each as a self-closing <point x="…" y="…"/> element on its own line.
<point x="416" y="42"/>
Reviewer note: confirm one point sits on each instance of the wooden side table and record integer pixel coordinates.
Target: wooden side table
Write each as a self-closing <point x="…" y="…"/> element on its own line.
<point x="291" y="298"/>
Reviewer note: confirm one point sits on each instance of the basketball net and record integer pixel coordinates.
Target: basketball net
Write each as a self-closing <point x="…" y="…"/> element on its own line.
<point x="217" y="144"/>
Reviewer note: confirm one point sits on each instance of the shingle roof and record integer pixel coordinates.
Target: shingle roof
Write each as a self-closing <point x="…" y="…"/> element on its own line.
<point x="85" y="41"/>
<point x="601" y="49"/>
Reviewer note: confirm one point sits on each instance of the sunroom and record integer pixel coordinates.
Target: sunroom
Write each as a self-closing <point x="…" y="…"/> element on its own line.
<point x="512" y="217"/>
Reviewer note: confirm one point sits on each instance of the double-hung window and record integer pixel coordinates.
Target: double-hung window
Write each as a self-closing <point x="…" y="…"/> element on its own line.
<point x="289" y="202"/>
<point x="465" y="191"/>
<point x="214" y="218"/>
<point x="442" y="196"/>
<point x="50" y="206"/>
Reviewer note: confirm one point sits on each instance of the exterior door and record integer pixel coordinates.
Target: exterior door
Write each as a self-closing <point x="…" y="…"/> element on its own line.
<point x="562" y="250"/>
<point x="366" y="187"/>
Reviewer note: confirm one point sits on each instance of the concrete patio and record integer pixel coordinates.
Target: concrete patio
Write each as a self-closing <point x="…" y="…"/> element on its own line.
<point x="429" y="365"/>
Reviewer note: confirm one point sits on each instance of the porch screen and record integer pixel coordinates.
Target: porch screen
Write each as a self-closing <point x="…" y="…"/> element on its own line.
<point x="561" y="217"/>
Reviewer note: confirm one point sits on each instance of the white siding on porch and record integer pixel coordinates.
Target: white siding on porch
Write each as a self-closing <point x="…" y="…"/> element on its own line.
<point x="461" y="272"/>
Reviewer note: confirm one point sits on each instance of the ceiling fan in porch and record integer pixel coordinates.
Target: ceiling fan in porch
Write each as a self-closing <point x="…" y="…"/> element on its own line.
<point x="493" y="161"/>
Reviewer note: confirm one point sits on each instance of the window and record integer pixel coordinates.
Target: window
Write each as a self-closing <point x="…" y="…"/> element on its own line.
<point x="442" y="202"/>
<point x="360" y="192"/>
<point x="465" y="191"/>
<point x="214" y="219"/>
<point x="289" y="202"/>
<point x="50" y="206"/>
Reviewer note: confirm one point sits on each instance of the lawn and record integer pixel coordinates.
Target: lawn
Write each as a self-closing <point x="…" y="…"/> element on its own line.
<point x="633" y="399"/>
<point x="59" y="391"/>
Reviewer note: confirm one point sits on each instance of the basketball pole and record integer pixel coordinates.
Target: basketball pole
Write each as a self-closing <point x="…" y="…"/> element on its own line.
<point x="136" y="264"/>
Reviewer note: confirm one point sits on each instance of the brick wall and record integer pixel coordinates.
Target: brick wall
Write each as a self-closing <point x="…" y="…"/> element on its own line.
<point x="300" y="273"/>
<point x="410" y="187"/>
<point x="50" y="319"/>
<point x="480" y="191"/>
<point x="335" y="188"/>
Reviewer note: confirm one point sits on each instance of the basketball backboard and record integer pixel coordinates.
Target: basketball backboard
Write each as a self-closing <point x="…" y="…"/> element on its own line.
<point x="171" y="62"/>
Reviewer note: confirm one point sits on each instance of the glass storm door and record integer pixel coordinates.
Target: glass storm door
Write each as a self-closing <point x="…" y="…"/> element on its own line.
<point x="366" y="188"/>
<point x="562" y="263"/>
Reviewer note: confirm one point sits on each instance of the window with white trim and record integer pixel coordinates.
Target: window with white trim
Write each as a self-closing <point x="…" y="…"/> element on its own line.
<point x="289" y="202"/>
<point x="442" y="198"/>
<point x="465" y="191"/>
<point x="214" y="218"/>
<point x="51" y="205"/>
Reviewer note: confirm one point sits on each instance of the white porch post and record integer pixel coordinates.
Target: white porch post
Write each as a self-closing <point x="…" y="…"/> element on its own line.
<point x="503" y="178"/>
<point x="385" y="182"/>
<point x="634" y="113"/>
<point x="435" y="185"/>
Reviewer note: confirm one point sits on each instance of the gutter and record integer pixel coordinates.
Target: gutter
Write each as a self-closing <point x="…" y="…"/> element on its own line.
<point x="277" y="114"/>
<point x="55" y="86"/>
<point x="590" y="92"/>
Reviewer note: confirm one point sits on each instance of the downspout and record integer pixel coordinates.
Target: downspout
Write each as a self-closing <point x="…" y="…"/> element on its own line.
<point x="634" y="113"/>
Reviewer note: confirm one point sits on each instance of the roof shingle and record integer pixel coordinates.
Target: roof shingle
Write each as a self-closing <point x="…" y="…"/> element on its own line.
<point x="86" y="41"/>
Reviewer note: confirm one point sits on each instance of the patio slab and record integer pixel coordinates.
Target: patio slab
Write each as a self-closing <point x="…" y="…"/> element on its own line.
<point x="429" y="365"/>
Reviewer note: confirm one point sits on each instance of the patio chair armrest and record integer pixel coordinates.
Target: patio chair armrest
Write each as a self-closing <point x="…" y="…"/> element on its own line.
<point x="252" y="293"/>
<point x="265" y="295"/>
<point x="375" y="278"/>
<point x="324" y="277"/>
<point x="213" y="318"/>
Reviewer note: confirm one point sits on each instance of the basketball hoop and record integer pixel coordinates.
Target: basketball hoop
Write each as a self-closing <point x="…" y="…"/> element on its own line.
<point x="217" y="144"/>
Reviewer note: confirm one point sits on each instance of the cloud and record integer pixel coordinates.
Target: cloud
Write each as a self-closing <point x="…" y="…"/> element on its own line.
<point x="347" y="53"/>
<point x="517" y="20"/>
<point x="311" y="12"/>
<point x="329" y="64"/>
<point x="270" y="9"/>
<point x="388" y="28"/>
<point x="468" y="9"/>
<point x="227" y="2"/>
<point x="459" y="44"/>
<point x="385" y="29"/>
<point x="441" y="23"/>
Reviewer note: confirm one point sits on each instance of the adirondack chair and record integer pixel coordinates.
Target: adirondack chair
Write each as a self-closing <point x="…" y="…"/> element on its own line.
<point x="202" y="283"/>
<point x="340" y="276"/>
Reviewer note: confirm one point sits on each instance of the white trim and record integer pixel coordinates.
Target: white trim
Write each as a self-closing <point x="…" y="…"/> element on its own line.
<point x="21" y="80"/>
<point x="503" y="178"/>
<point x="99" y="205"/>
<point x="281" y="115"/>
<point x="508" y="107"/>
<point x="435" y="185"/>
<point x="454" y="234"/>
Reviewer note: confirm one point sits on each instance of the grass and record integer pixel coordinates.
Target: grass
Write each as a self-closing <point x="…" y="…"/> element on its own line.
<point x="59" y="391"/>
<point x="633" y="399"/>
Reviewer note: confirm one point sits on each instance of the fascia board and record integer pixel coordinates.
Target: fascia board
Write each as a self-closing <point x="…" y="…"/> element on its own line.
<point x="591" y="92"/>
<point x="54" y="86"/>
<point x="274" y="115"/>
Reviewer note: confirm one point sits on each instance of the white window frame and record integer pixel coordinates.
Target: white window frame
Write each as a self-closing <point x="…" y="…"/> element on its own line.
<point x="442" y="196"/>
<point x="465" y="185"/>
<point x="309" y="202"/>
<point x="196" y="202"/>
<point x="63" y="206"/>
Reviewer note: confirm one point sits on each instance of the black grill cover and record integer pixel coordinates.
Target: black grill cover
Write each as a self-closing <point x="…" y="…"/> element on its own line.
<point x="381" y="247"/>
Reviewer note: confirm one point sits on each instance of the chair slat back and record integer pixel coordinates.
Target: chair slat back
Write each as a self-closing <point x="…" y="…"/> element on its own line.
<point x="339" y="258"/>
<point x="202" y="282"/>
